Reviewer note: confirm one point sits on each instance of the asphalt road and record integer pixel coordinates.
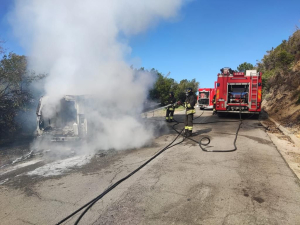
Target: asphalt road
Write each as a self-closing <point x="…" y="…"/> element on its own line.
<point x="183" y="185"/>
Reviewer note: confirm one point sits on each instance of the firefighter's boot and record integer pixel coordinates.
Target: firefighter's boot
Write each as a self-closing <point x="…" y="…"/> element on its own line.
<point x="190" y="133"/>
<point x="186" y="132"/>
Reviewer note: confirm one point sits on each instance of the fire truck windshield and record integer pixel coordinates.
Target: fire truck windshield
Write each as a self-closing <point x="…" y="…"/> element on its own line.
<point x="203" y="95"/>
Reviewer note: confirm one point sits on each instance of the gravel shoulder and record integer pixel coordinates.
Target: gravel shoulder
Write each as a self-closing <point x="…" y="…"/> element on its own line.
<point x="286" y="142"/>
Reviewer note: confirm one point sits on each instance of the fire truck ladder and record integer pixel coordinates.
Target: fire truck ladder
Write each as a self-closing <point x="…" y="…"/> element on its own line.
<point x="254" y="89"/>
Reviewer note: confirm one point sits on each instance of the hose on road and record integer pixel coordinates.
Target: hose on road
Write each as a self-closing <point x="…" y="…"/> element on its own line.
<point x="204" y="141"/>
<point x="93" y="201"/>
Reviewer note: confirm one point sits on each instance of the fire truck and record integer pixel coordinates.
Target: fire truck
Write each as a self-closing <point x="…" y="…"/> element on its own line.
<point x="205" y="98"/>
<point x="238" y="91"/>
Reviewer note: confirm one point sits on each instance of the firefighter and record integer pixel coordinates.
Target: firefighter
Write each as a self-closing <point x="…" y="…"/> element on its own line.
<point x="170" y="108"/>
<point x="214" y="104"/>
<point x="189" y="104"/>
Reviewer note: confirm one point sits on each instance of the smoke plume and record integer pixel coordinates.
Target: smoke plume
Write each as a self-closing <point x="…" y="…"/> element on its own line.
<point x="82" y="46"/>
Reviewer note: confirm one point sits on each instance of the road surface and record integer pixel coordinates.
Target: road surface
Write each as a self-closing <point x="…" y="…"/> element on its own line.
<point x="183" y="185"/>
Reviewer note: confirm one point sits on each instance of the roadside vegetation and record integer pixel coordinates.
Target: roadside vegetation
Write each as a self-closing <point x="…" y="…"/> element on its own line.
<point x="16" y="94"/>
<point x="281" y="81"/>
<point x="280" y="69"/>
<point x="164" y="85"/>
<point x="281" y="65"/>
<point x="245" y="66"/>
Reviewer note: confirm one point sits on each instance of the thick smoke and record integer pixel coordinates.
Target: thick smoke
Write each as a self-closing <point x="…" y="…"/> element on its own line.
<point x="82" y="46"/>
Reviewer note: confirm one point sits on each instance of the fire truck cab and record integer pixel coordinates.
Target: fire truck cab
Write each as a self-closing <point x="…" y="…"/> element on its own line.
<point x="205" y="98"/>
<point x="238" y="91"/>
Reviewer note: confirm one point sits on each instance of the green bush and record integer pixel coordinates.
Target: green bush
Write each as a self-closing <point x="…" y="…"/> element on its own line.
<point x="284" y="59"/>
<point x="265" y="78"/>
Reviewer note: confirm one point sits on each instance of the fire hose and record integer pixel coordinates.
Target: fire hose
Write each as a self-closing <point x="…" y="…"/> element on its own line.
<point x="93" y="201"/>
<point x="163" y="107"/>
<point x="204" y="141"/>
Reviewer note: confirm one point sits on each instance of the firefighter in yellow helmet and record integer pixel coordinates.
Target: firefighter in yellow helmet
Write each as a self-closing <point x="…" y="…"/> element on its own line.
<point x="189" y="104"/>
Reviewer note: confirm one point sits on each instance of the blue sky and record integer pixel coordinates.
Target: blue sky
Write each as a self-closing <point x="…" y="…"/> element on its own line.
<point x="11" y="43"/>
<point x="208" y="35"/>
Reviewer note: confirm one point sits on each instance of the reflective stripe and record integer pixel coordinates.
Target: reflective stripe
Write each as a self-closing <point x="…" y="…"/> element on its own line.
<point x="167" y="118"/>
<point x="191" y="111"/>
<point x="187" y="105"/>
<point x="259" y="95"/>
<point x="171" y="117"/>
<point x="171" y="109"/>
<point x="189" y="128"/>
<point x="186" y="127"/>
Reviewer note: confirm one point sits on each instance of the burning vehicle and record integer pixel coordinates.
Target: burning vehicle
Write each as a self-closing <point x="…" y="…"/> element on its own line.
<point x="75" y="118"/>
<point x="65" y="121"/>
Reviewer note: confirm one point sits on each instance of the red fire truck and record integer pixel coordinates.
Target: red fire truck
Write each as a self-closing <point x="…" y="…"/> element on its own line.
<point x="205" y="98"/>
<point x="238" y="91"/>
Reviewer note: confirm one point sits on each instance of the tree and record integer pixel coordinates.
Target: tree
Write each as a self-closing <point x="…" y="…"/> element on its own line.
<point x="1" y="47"/>
<point x="162" y="87"/>
<point x="183" y="85"/>
<point x="245" y="66"/>
<point x="15" y="95"/>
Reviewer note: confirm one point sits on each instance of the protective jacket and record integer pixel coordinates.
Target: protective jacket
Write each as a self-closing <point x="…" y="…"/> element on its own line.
<point x="190" y="102"/>
<point x="172" y="101"/>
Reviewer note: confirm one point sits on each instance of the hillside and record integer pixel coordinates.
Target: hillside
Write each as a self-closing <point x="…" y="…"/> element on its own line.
<point x="281" y="82"/>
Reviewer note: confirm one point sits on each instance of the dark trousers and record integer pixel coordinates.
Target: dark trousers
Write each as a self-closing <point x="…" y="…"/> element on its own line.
<point x="189" y="122"/>
<point x="169" y="114"/>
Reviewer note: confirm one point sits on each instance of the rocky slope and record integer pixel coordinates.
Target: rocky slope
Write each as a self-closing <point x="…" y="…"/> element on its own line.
<point x="281" y="82"/>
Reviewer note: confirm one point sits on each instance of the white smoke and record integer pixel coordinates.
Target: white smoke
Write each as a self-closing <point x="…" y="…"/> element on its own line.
<point x="82" y="46"/>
